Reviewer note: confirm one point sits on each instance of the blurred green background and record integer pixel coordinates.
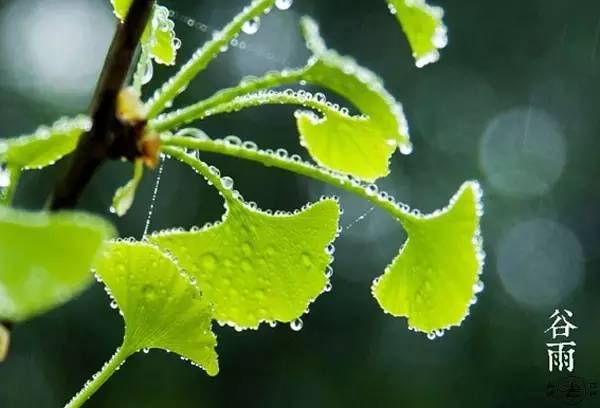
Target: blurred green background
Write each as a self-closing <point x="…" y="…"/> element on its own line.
<point x="513" y="102"/>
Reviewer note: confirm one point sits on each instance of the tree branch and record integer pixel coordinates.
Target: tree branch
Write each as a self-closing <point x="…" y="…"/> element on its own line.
<point x="109" y="137"/>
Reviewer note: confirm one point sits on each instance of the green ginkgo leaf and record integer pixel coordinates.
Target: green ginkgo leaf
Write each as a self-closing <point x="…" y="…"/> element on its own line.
<point x="124" y="196"/>
<point x="434" y="278"/>
<point x="358" y="146"/>
<point x="45" y="146"/>
<point x="45" y="259"/>
<point x="162" y="307"/>
<point x="423" y="26"/>
<point x="254" y="266"/>
<point x="159" y="36"/>
<point x="121" y="7"/>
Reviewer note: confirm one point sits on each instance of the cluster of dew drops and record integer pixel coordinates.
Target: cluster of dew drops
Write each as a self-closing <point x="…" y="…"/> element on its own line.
<point x="252" y="26"/>
<point x="63" y="125"/>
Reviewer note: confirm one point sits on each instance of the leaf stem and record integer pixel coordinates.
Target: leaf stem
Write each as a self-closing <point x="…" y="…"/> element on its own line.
<point x="98" y="379"/>
<point x="10" y="190"/>
<point x="141" y="69"/>
<point x="211" y="175"/>
<point x="368" y="192"/>
<point x="198" y="110"/>
<point x="174" y="86"/>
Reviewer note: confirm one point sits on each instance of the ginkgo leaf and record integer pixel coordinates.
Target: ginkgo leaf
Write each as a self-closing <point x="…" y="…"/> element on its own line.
<point x="124" y="196"/>
<point x="254" y="266"/>
<point x="219" y="42"/>
<point x="45" y="259"/>
<point x="159" y="35"/>
<point x="121" y="7"/>
<point x="162" y="307"/>
<point x="423" y="26"/>
<point x="358" y="147"/>
<point x="433" y="279"/>
<point x="45" y="146"/>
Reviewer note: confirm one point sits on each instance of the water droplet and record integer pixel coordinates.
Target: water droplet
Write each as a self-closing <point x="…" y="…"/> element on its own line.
<point x="478" y="287"/>
<point x="284" y="4"/>
<point x="148" y="72"/>
<point x="233" y="140"/>
<point x="146" y="350"/>
<point x="251" y="26"/>
<point x="227" y="182"/>
<point x="329" y="272"/>
<point x="328" y="287"/>
<point x="113" y="304"/>
<point x="4" y="177"/>
<point x="431" y="336"/>
<point x="297" y="324"/>
<point x="320" y="97"/>
<point x="176" y="43"/>
<point x="406" y="148"/>
<point x="208" y="261"/>
<point x="250" y="145"/>
<point x="372" y="189"/>
<point x="149" y="292"/>
<point x="330" y="249"/>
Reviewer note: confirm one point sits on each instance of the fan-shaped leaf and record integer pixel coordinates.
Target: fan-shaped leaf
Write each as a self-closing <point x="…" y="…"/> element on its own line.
<point x="45" y="259"/>
<point x="423" y="26"/>
<point x="160" y="38"/>
<point x="45" y="146"/>
<point x="433" y="279"/>
<point x="220" y="40"/>
<point x="358" y="147"/>
<point x="159" y="35"/>
<point x="161" y="306"/>
<point x="254" y="266"/>
<point x="124" y="196"/>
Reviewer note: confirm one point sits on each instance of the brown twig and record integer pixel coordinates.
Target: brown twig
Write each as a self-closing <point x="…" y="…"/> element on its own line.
<point x="109" y="138"/>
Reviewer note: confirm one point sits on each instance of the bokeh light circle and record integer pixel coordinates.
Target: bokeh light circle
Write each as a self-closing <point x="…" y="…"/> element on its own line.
<point x="56" y="47"/>
<point x="523" y="152"/>
<point x="540" y="262"/>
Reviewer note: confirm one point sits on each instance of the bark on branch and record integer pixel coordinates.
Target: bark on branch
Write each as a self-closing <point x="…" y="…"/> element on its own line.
<point x="108" y="138"/>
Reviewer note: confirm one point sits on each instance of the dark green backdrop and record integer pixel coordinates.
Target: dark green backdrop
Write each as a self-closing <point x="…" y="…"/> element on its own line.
<point x="513" y="102"/>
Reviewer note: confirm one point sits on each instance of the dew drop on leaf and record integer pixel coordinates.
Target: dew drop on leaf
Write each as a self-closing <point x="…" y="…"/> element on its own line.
<point x="372" y="190"/>
<point x="306" y="260"/>
<point x="406" y="148"/>
<point x="148" y="72"/>
<point x="284" y="4"/>
<point x="227" y="182"/>
<point x="4" y="177"/>
<point x="296" y="325"/>
<point x="251" y="26"/>
<point x="209" y="261"/>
